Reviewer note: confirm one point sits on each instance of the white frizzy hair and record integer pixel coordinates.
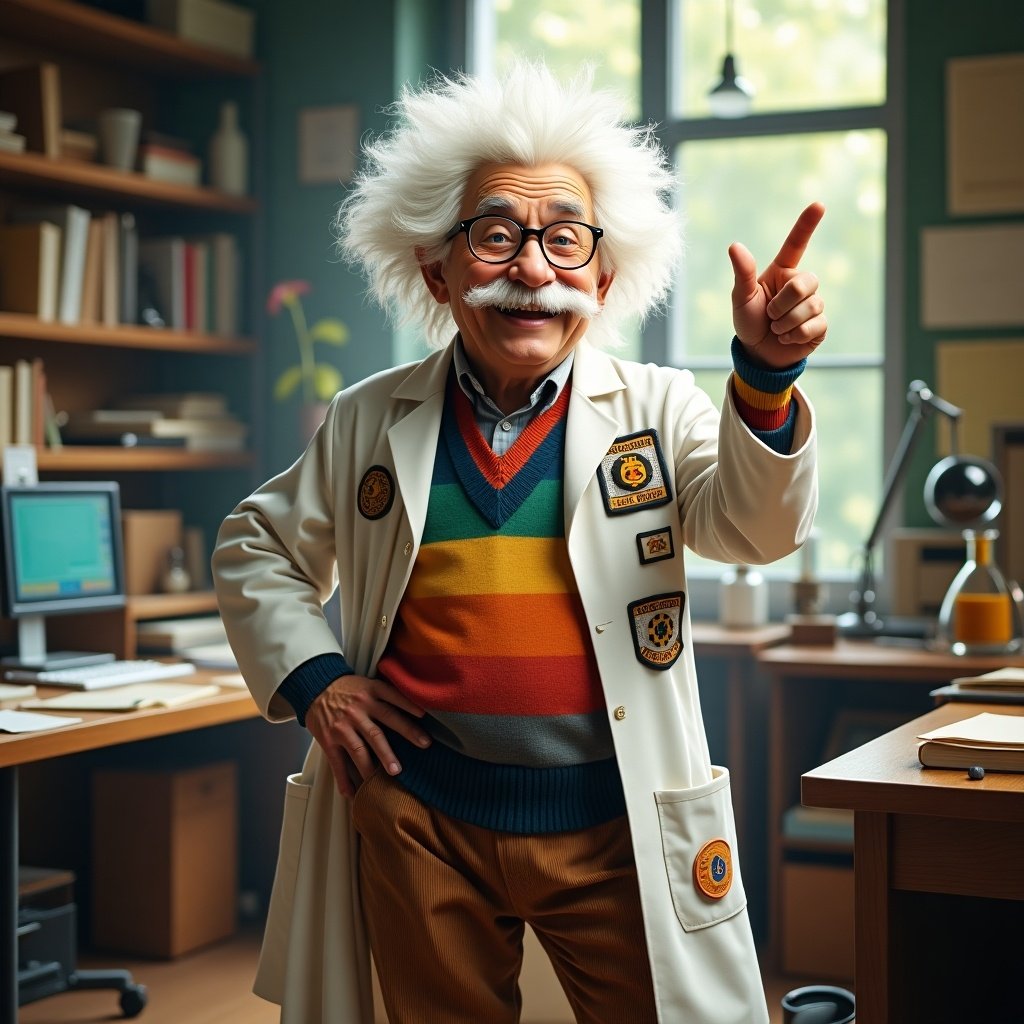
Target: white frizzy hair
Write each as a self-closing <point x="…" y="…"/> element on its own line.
<point x="409" y="194"/>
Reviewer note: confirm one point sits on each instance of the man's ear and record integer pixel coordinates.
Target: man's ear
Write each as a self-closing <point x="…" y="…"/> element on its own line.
<point x="604" y="282"/>
<point x="433" y="275"/>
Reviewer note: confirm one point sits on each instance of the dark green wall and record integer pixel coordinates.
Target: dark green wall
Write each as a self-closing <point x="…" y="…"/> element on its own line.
<point x="935" y="31"/>
<point x="320" y="54"/>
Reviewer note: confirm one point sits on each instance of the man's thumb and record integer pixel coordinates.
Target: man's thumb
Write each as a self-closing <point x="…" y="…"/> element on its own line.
<point x="744" y="268"/>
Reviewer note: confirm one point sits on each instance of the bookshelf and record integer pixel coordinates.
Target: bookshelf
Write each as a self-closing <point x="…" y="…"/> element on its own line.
<point x="106" y="60"/>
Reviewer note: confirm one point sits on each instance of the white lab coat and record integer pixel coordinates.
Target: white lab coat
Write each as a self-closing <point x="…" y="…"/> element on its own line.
<point x="735" y="500"/>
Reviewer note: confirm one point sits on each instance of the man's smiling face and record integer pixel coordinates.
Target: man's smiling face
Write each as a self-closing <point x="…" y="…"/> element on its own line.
<point x="513" y="348"/>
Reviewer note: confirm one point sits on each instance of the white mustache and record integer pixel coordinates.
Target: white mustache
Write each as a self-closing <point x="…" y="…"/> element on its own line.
<point x="553" y="298"/>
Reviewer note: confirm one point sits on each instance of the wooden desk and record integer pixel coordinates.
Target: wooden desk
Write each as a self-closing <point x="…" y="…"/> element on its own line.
<point x="938" y="878"/>
<point x="98" y="729"/>
<point x="872" y="684"/>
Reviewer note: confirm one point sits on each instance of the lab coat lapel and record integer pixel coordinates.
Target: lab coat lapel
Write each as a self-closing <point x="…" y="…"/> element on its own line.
<point x="590" y="430"/>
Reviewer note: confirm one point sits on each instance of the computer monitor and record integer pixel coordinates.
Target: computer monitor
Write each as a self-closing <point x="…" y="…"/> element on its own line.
<point x="62" y="554"/>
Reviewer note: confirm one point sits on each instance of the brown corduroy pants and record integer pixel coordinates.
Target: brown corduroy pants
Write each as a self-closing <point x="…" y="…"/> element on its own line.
<point x="445" y="904"/>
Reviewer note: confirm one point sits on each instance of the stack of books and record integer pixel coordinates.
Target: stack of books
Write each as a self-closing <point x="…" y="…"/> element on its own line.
<point x="10" y="140"/>
<point x="166" y="158"/>
<point x="995" y="742"/>
<point x="197" y="421"/>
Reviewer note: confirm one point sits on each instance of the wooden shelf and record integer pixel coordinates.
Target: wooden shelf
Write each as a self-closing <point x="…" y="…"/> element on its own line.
<point x="30" y="328"/>
<point x="75" y="28"/>
<point x="88" y="459"/>
<point x="159" y="606"/>
<point x="39" y="172"/>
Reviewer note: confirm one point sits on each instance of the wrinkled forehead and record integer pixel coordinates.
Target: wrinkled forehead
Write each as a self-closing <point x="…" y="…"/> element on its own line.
<point x="525" y="192"/>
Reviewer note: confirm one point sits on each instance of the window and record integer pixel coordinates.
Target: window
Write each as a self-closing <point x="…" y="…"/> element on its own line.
<point x="818" y="129"/>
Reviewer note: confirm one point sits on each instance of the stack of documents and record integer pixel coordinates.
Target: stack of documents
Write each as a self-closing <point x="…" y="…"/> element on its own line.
<point x="132" y="697"/>
<point x="996" y="742"/>
<point x="1001" y="686"/>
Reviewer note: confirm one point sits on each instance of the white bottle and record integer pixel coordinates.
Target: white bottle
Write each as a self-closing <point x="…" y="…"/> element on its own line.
<point x="743" y="598"/>
<point x="229" y="153"/>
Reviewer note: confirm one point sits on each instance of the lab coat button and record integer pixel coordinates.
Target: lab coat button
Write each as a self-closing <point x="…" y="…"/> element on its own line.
<point x="620" y="712"/>
<point x="408" y="548"/>
<point x="383" y="621"/>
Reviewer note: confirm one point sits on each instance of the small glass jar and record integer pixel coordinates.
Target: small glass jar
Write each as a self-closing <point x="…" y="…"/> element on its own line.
<point x="742" y="598"/>
<point x="977" y="614"/>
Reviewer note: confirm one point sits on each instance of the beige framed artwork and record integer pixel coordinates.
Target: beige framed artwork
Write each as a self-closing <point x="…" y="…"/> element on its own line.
<point x="1008" y="455"/>
<point x="328" y="141"/>
<point x="985" y="134"/>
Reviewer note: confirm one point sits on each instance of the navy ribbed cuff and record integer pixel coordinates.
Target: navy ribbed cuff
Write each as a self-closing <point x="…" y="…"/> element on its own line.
<point x="304" y="684"/>
<point x="761" y="378"/>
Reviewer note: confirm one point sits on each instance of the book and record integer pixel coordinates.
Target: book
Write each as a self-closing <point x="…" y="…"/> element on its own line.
<point x="92" y="279"/>
<point x="110" y="274"/>
<point x="998" y="678"/>
<point x="133" y="697"/>
<point x="211" y="655"/>
<point x="162" y="271"/>
<point x="219" y="426"/>
<point x="996" y="742"/>
<point x="175" y="166"/>
<point x="8" y="121"/>
<point x="181" y="404"/>
<point x="32" y="94"/>
<point x="172" y="636"/>
<point x="128" y="269"/>
<point x="30" y="269"/>
<point x="22" y="402"/>
<point x="6" y="406"/>
<point x="17" y="691"/>
<point x="78" y="145"/>
<point x="12" y="142"/>
<point x="73" y="222"/>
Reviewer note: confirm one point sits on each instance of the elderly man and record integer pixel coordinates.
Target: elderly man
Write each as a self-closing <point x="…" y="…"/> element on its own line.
<point x="509" y="731"/>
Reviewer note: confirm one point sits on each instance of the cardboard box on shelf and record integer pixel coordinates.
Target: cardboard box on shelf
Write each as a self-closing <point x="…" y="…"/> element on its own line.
<point x="213" y="23"/>
<point x="165" y="858"/>
<point x="149" y="534"/>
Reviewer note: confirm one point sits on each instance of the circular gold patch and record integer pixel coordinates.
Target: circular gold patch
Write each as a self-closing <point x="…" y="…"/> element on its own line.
<point x="712" y="869"/>
<point x="376" y="493"/>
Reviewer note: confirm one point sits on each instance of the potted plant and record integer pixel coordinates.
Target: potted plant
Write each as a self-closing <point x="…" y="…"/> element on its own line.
<point x="316" y="383"/>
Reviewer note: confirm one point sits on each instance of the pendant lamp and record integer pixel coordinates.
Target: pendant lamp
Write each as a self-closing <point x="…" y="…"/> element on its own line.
<point x="732" y="96"/>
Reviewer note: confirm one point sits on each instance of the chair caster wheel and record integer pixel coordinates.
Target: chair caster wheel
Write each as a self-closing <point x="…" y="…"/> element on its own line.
<point x="133" y="1000"/>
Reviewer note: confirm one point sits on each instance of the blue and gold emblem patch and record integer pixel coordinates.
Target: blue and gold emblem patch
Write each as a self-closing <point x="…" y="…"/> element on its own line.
<point x="632" y="475"/>
<point x="655" y="545"/>
<point x="657" y="629"/>
<point x="712" y="869"/>
<point x="376" y="493"/>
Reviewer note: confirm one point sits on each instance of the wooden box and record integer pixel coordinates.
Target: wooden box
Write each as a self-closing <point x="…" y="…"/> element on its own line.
<point x="817" y="921"/>
<point x="149" y="535"/>
<point x="165" y="858"/>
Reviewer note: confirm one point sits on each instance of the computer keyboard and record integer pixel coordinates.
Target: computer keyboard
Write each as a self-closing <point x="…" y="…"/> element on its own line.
<point x="113" y="673"/>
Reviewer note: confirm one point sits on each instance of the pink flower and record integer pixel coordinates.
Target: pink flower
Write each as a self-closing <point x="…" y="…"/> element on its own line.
<point x="285" y="293"/>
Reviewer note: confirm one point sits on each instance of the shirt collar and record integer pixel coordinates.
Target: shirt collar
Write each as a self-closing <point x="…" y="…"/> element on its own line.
<point x="543" y="395"/>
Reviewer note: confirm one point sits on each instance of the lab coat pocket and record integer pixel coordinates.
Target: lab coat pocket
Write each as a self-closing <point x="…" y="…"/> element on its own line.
<point x="698" y="839"/>
<point x="273" y="956"/>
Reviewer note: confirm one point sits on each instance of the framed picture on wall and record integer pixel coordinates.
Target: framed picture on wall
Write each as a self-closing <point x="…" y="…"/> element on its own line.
<point x="1008" y="455"/>
<point x="985" y="134"/>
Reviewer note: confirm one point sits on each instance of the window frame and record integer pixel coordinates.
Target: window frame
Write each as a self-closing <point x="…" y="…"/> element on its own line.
<point x="658" y="33"/>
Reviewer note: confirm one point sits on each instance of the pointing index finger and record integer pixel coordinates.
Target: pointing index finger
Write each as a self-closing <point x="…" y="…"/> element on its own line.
<point x="799" y="236"/>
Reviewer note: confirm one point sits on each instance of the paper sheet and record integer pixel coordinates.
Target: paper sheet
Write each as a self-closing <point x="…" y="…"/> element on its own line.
<point x="984" y="730"/>
<point x="24" y="721"/>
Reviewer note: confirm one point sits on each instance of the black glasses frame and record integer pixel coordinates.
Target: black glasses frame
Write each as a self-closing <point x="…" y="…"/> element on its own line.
<point x="524" y="234"/>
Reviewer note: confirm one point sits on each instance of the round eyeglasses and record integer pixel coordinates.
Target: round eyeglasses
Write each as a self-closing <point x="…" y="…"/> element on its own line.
<point x="566" y="244"/>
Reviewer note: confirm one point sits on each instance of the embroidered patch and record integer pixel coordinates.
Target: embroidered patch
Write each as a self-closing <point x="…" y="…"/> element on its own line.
<point x="655" y="545"/>
<point x="712" y="869"/>
<point x="632" y="475"/>
<point x="376" y="493"/>
<point x="657" y="629"/>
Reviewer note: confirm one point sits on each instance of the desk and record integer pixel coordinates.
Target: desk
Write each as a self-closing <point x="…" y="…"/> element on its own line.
<point x="880" y="683"/>
<point x="98" y="729"/>
<point x="938" y="869"/>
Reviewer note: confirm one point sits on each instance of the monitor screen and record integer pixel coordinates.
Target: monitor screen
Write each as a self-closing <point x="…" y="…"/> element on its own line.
<point x="62" y="548"/>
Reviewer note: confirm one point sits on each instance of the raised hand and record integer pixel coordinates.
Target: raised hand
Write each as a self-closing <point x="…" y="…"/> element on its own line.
<point x="779" y="316"/>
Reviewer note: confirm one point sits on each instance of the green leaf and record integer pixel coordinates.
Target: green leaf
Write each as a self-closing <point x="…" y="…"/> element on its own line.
<point x="330" y="331"/>
<point x="287" y="383"/>
<point x="327" y="381"/>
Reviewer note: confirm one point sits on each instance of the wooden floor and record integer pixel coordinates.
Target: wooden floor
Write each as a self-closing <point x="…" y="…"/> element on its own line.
<point x="213" y="987"/>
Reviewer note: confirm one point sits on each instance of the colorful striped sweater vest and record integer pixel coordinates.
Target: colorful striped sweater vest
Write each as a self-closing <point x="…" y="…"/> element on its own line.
<point x="491" y="640"/>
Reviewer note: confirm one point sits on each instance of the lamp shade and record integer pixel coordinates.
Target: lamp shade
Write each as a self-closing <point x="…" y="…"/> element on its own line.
<point x="733" y="95"/>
